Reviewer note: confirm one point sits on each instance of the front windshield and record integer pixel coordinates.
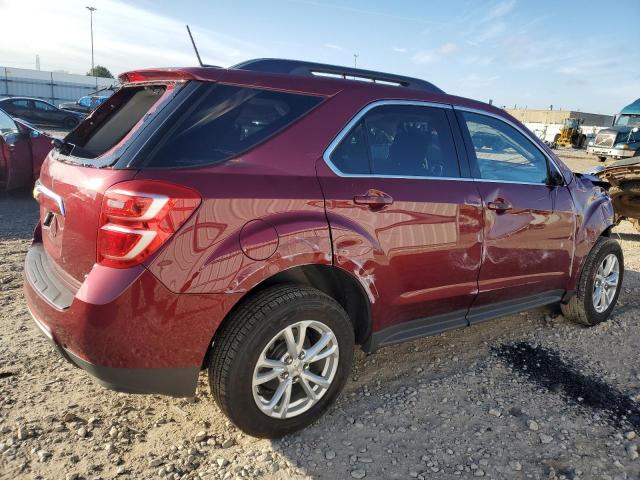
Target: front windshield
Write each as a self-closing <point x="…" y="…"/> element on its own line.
<point x="628" y="121"/>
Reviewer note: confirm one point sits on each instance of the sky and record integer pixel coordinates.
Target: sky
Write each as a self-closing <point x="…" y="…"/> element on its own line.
<point x="580" y="55"/>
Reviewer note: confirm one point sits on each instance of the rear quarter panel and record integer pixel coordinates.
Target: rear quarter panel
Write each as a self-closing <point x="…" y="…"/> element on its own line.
<point x="262" y="213"/>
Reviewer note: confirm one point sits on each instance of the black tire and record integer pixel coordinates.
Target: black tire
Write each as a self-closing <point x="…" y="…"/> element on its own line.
<point x="70" y="122"/>
<point x="244" y="335"/>
<point x="580" y="307"/>
<point x="602" y="159"/>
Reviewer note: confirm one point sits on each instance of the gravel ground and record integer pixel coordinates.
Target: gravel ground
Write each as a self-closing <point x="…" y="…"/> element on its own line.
<point x="525" y="396"/>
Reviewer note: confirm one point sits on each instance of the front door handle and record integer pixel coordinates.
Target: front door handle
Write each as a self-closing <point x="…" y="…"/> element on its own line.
<point x="374" y="199"/>
<point x="500" y="205"/>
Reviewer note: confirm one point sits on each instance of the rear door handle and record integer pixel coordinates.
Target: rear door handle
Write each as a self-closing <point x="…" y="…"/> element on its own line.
<point x="499" y="205"/>
<point x="373" y="198"/>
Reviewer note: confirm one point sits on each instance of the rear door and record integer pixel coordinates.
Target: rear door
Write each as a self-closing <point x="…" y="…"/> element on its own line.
<point x="16" y="169"/>
<point x="529" y="219"/>
<point x="403" y="218"/>
<point x="23" y="108"/>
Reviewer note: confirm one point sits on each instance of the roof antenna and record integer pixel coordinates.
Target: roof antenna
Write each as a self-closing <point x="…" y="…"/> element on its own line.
<point x="194" y="47"/>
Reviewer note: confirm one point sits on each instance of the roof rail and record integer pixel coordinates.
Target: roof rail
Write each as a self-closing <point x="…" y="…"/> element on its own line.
<point x="311" y="69"/>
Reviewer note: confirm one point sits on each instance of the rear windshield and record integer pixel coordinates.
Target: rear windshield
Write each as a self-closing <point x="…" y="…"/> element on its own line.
<point x="225" y="121"/>
<point x="114" y="120"/>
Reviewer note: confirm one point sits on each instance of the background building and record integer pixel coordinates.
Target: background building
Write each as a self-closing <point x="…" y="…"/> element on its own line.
<point x="547" y="123"/>
<point x="54" y="87"/>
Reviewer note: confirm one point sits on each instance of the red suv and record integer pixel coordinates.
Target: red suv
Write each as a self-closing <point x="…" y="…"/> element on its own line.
<point x="259" y="221"/>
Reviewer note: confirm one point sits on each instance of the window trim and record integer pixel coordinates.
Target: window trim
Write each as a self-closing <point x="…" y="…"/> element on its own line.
<point x="550" y="162"/>
<point x="326" y="156"/>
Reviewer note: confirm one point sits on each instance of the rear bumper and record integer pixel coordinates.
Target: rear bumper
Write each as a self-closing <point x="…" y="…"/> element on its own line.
<point x="176" y="382"/>
<point x="124" y="327"/>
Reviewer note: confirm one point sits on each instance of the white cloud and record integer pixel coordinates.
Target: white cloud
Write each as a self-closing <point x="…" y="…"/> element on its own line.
<point x="125" y="37"/>
<point x="333" y="46"/>
<point x="428" y="56"/>
<point x="498" y="11"/>
<point x="448" y="48"/>
<point x="423" y="56"/>
<point x="399" y="50"/>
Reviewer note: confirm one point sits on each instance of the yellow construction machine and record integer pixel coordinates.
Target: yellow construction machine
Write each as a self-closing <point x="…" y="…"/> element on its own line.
<point x="571" y="134"/>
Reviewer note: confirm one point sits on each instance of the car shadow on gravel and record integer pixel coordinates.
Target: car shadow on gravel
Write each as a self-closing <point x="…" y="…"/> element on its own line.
<point x="548" y="370"/>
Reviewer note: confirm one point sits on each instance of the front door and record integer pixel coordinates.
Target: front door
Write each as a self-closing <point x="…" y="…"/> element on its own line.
<point x="402" y="219"/>
<point x="529" y="220"/>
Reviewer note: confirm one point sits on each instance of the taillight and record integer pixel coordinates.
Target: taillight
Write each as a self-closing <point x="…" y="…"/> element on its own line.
<point x="138" y="217"/>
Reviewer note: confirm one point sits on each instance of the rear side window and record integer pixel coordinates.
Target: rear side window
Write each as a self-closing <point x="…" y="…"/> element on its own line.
<point x="226" y="121"/>
<point x="399" y="140"/>
<point x="351" y="156"/>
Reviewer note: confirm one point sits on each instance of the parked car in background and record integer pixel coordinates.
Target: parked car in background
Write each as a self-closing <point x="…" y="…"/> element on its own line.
<point x="40" y="113"/>
<point x="23" y="148"/>
<point x="86" y="104"/>
<point x="260" y="221"/>
<point x="622" y="140"/>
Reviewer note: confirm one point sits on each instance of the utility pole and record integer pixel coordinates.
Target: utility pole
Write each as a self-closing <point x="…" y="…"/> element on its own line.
<point x="355" y="60"/>
<point x="91" y="10"/>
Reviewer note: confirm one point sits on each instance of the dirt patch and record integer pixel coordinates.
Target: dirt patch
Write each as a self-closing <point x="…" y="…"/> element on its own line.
<point x="547" y="369"/>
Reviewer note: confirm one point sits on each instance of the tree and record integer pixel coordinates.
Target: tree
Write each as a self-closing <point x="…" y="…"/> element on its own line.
<point x="99" y="71"/>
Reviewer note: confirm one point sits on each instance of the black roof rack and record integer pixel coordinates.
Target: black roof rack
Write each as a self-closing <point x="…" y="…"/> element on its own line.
<point x="310" y="69"/>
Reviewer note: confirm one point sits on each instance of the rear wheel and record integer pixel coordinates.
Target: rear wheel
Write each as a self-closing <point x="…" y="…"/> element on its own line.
<point x="70" y="122"/>
<point x="599" y="284"/>
<point x="281" y="359"/>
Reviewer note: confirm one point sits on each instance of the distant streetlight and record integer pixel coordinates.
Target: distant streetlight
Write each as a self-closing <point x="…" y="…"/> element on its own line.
<point x="355" y="60"/>
<point x="91" y="10"/>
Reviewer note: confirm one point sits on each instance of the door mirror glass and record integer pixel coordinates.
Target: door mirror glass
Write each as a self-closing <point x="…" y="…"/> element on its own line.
<point x="35" y="134"/>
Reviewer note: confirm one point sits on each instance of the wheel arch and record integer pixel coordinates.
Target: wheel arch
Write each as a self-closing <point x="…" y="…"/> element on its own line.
<point x="335" y="282"/>
<point x="598" y="221"/>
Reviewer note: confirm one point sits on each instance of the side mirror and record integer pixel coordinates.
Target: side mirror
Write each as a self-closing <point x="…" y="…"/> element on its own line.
<point x="555" y="178"/>
<point x="635" y="130"/>
<point x="35" y="134"/>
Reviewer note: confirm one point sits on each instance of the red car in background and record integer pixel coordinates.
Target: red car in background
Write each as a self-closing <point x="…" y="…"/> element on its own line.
<point x="22" y="151"/>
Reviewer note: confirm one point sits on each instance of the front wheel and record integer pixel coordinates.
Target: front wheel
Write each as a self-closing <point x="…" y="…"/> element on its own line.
<point x="281" y="359"/>
<point x="599" y="284"/>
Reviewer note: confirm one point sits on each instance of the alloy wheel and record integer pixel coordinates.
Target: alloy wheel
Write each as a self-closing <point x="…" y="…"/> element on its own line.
<point x="295" y="369"/>
<point x="605" y="285"/>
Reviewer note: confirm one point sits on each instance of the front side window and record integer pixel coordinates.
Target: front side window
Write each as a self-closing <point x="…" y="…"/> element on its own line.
<point x="85" y="102"/>
<point x="44" y="106"/>
<point x="228" y="120"/>
<point x="399" y="140"/>
<point x="503" y="153"/>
